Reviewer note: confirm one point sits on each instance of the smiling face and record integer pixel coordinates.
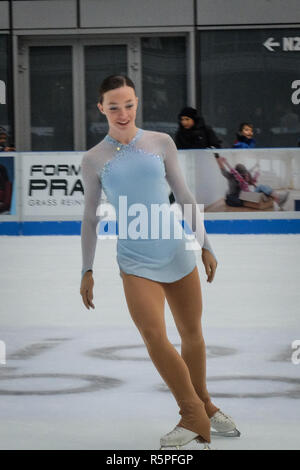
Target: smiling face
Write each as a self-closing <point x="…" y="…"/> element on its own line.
<point x="120" y="106"/>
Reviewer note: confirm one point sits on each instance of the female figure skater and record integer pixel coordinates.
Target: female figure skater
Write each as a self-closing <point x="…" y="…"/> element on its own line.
<point x="132" y="163"/>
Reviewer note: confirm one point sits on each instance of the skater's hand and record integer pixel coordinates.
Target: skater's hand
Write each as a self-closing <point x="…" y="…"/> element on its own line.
<point x="224" y="161"/>
<point x="221" y="162"/>
<point x="210" y="264"/>
<point x="86" y="289"/>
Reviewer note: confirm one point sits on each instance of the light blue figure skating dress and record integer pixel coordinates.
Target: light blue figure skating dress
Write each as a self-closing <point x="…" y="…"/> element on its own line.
<point x="151" y="241"/>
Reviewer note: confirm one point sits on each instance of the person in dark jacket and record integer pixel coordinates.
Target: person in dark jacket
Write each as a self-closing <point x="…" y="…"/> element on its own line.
<point x="193" y="133"/>
<point x="4" y="146"/>
<point x="245" y="137"/>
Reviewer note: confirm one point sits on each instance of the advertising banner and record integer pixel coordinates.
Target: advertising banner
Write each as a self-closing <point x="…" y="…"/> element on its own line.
<point x="42" y="192"/>
<point x="52" y="185"/>
<point x="244" y="180"/>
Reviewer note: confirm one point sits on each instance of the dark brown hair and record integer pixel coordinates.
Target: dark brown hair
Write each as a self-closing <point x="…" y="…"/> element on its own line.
<point x="112" y="82"/>
<point x="244" y="124"/>
<point x="243" y="172"/>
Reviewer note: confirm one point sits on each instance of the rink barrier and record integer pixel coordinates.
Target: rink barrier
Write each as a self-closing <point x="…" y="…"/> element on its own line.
<point x="230" y="227"/>
<point x="47" y="191"/>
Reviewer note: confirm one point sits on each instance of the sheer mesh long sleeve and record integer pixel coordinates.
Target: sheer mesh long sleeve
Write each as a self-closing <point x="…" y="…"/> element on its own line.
<point x="184" y="196"/>
<point x="92" y="194"/>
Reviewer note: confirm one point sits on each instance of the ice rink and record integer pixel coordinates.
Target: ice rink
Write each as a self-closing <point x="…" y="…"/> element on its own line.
<point x="79" y="379"/>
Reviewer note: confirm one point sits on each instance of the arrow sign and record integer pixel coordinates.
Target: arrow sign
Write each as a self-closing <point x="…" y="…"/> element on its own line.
<point x="269" y="44"/>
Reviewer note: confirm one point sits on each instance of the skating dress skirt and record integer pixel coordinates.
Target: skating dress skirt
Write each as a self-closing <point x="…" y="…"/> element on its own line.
<point x="148" y="241"/>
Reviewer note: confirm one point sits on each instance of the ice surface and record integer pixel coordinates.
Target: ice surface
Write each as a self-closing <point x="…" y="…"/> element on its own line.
<point x="79" y="379"/>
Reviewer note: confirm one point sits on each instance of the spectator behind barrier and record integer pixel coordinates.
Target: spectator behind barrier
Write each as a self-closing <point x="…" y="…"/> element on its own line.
<point x="4" y="146"/>
<point x="193" y="133"/>
<point x="245" y="137"/>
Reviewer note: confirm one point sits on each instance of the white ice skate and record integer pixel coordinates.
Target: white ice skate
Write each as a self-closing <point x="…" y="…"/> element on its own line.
<point x="223" y="425"/>
<point x="180" y="437"/>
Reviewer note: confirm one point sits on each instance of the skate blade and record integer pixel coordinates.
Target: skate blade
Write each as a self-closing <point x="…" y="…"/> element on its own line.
<point x="234" y="433"/>
<point x="170" y="447"/>
<point x="187" y="447"/>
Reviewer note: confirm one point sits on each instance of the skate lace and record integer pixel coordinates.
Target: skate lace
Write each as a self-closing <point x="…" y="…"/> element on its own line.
<point x="176" y="430"/>
<point x="220" y="416"/>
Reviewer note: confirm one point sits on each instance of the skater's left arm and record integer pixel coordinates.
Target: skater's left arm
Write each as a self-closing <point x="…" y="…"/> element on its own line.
<point x="193" y="214"/>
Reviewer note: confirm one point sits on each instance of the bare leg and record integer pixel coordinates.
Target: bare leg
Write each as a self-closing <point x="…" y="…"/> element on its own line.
<point x="145" y="300"/>
<point x="185" y="301"/>
<point x="275" y="196"/>
<point x="280" y="199"/>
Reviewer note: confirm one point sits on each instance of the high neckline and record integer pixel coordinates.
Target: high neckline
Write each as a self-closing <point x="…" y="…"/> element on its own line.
<point x="119" y="144"/>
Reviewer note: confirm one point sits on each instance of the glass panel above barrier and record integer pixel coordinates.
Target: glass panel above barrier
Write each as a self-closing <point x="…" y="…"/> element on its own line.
<point x="51" y="98"/>
<point x="253" y="76"/>
<point x="6" y="104"/>
<point x="100" y="62"/>
<point x="164" y="82"/>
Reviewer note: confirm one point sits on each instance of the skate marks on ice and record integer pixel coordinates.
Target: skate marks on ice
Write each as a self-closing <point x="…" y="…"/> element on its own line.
<point x="262" y="365"/>
<point x="246" y="385"/>
<point x="63" y="378"/>
<point x="42" y="383"/>
<point x="35" y="349"/>
<point x="112" y="353"/>
<point x="291" y="388"/>
<point x="94" y="383"/>
<point x="292" y="392"/>
<point x="283" y="356"/>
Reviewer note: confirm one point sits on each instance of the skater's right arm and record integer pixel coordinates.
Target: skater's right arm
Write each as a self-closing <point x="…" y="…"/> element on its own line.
<point x="242" y="182"/>
<point x="220" y="161"/>
<point x="92" y="195"/>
